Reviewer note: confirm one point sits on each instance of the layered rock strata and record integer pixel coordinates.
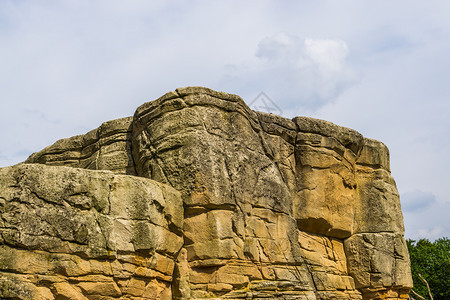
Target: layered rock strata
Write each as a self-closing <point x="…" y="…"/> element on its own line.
<point x="197" y="197"/>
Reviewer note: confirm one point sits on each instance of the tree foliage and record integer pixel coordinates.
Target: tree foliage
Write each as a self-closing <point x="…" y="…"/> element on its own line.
<point x="432" y="260"/>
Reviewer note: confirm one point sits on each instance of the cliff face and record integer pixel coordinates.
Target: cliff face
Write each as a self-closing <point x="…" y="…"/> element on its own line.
<point x="197" y="196"/>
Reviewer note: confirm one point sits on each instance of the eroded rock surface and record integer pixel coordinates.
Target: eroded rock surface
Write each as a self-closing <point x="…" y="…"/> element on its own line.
<point x="225" y="203"/>
<point x="70" y="233"/>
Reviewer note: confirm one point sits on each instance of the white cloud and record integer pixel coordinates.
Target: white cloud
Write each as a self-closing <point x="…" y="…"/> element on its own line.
<point x="430" y="221"/>
<point x="430" y="234"/>
<point x="300" y="73"/>
<point x="382" y="69"/>
<point x="417" y="201"/>
<point x="329" y="55"/>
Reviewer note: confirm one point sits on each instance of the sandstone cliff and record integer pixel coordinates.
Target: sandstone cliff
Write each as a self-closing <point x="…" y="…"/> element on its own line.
<point x="197" y="196"/>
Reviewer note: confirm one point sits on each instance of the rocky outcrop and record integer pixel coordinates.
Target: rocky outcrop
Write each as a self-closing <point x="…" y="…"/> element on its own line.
<point x="197" y="196"/>
<point x="105" y="148"/>
<point x="70" y="233"/>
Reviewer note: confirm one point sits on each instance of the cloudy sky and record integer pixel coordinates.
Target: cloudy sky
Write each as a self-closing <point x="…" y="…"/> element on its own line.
<point x="380" y="67"/>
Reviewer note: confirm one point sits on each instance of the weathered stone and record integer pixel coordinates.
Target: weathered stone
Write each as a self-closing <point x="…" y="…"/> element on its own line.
<point x="105" y="148"/>
<point x="227" y="203"/>
<point x="72" y="222"/>
<point x="378" y="261"/>
<point x="377" y="208"/>
<point x="66" y="291"/>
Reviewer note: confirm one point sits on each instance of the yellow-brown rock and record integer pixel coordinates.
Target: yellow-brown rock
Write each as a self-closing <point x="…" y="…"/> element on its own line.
<point x="80" y="233"/>
<point x="197" y="197"/>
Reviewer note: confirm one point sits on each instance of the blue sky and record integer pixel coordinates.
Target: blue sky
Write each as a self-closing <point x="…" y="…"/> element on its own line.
<point x="381" y="68"/>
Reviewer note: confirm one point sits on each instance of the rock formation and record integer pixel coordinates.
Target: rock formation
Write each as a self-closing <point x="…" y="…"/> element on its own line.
<point x="197" y="196"/>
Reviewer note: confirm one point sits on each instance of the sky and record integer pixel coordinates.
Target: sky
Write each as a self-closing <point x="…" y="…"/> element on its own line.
<point x="379" y="67"/>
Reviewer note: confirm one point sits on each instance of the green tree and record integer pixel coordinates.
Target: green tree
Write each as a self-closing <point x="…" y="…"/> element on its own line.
<point x="432" y="260"/>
